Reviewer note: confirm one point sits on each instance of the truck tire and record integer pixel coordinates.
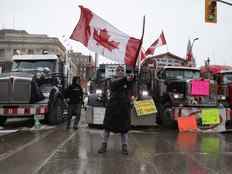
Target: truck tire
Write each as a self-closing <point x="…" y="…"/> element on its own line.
<point x="55" y="115"/>
<point x="166" y="119"/>
<point x="2" y="121"/>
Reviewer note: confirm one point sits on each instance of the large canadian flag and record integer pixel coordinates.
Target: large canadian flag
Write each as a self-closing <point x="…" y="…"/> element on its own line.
<point x="158" y="42"/>
<point x="103" y="38"/>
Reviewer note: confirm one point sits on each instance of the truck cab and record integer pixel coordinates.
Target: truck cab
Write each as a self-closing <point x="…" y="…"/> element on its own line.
<point x="99" y="94"/>
<point x="222" y="75"/>
<point x="33" y="88"/>
<point x="172" y="93"/>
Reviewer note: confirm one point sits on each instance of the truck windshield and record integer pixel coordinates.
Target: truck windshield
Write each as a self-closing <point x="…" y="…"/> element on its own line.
<point x="182" y="74"/>
<point x="227" y="78"/>
<point x="32" y="65"/>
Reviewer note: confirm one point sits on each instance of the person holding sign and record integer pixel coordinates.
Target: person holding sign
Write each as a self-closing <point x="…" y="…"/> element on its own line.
<point x="117" y="115"/>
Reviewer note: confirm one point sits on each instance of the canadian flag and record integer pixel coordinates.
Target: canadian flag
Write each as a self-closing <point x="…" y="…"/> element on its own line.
<point x="142" y="55"/>
<point x="159" y="42"/>
<point x="189" y="55"/>
<point x="103" y="38"/>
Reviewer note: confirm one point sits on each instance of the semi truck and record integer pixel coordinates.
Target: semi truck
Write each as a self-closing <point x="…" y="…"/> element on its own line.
<point x="34" y="88"/>
<point x="172" y="90"/>
<point x="222" y="76"/>
<point x="99" y="94"/>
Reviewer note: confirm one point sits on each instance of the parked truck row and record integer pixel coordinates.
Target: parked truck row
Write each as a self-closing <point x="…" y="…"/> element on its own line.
<point x="35" y="85"/>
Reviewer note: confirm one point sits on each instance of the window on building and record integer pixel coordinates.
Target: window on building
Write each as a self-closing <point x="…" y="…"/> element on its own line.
<point x="44" y="51"/>
<point x="30" y="51"/>
<point x="16" y="51"/>
<point x="2" y="52"/>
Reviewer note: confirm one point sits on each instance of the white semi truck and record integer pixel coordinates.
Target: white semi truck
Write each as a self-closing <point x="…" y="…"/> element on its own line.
<point x="34" y="87"/>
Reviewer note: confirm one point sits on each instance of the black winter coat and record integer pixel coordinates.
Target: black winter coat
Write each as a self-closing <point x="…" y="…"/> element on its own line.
<point x="74" y="93"/>
<point x="117" y="115"/>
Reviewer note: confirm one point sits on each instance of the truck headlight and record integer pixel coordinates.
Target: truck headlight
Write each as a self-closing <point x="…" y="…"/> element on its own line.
<point x="98" y="91"/>
<point x="178" y="96"/>
<point x="46" y="94"/>
<point x="38" y="75"/>
<point x="144" y="93"/>
<point x="221" y="97"/>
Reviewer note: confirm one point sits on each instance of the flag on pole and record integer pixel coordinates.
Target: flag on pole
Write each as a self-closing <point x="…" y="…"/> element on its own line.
<point x="159" y="42"/>
<point x="141" y="57"/>
<point x="103" y="38"/>
<point x="189" y="55"/>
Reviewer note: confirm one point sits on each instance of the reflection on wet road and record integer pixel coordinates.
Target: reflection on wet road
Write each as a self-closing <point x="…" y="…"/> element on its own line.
<point x="58" y="151"/>
<point x="153" y="152"/>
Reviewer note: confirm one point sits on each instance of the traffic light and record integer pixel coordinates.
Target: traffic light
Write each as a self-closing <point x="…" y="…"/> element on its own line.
<point x="211" y="11"/>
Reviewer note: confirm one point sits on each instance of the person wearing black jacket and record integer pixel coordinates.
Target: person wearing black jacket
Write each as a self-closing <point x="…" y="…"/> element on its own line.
<point x="74" y="95"/>
<point x="117" y="115"/>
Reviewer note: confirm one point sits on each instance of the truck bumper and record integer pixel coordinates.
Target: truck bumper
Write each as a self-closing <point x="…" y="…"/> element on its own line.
<point x="24" y="110"/>
<point x="95" y="115"/>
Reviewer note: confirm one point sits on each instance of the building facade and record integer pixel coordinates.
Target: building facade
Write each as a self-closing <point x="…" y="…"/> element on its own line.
<point x="14" y="42"/>
<point x="166" y="59"/>
<point x="85" y="66"/>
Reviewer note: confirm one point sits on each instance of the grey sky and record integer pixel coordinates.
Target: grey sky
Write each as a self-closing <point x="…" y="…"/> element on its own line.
<point x="180" y="20"/>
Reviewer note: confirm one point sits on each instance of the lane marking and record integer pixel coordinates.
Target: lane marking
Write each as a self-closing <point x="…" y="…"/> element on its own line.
<point x="12" y="152"/>
<point x="8" y="131"/>
<point x="54" y="152"/>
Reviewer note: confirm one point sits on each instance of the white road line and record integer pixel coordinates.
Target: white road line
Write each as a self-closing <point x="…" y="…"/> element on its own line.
<point x="54" y="152"/>
<point x="10" y="153"/>
<point x="8" y="131"/>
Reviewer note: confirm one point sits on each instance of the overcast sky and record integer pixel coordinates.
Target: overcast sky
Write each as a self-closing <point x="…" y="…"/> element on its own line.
<point x="179" y="19"/>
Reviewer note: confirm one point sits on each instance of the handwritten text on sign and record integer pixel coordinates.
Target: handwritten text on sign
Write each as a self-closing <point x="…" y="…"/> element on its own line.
<point x="200" y="88"/>
<point x="210" y="116"/>
<point x="145" y="107"/>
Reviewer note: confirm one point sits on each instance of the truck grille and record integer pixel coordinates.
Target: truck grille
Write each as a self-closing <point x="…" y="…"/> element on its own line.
<point x="4" y="91"/>
<point x="15" y="90"/>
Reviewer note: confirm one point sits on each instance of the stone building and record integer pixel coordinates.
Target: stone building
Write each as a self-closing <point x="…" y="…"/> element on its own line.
<point x="21" y="42"/>
<point x="85" y="66"/>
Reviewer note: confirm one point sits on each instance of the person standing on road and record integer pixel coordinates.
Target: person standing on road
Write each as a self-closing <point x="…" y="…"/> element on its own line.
<point x="117" y="115"/>
<point x="74" y="96"/>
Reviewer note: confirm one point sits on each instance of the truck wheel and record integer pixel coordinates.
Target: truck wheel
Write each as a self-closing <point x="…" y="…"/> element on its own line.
<point x="2" y="121"/>
<point x="55" y="115"/>
<point x="166" y="119"/>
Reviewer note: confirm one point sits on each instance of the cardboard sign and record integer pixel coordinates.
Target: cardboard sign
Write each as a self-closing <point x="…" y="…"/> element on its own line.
<point x="145" y="107"/>
<point x="210" y="116"/>
<point x="200" y="88"/>
<point x="188" y="123"/>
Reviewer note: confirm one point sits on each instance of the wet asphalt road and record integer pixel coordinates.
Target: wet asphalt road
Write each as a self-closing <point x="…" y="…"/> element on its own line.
<point x="54" y="150"/>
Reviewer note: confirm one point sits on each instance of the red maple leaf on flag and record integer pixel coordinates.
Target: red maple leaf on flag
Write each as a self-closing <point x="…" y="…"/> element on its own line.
<point x="102" y="39"/>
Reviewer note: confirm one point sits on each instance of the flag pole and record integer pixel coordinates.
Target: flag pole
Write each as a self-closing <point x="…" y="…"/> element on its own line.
<point x="141" y="43"/>
<point x="137" y="55"/>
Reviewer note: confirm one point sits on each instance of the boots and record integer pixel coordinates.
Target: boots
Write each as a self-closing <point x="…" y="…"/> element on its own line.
<point x="124" y="149"/>
<point x="102" y="148"/>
